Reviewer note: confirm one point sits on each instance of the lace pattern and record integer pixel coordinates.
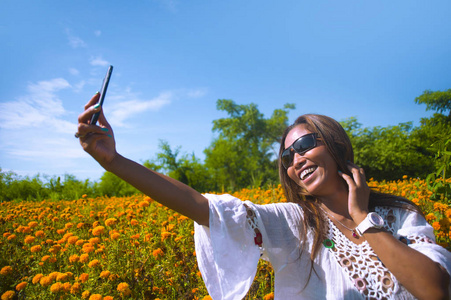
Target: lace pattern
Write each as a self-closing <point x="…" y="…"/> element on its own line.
<point x="368" y="274"/>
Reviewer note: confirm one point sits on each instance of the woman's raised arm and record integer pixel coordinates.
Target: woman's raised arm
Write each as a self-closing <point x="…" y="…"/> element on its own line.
<point x="99" y="142"/>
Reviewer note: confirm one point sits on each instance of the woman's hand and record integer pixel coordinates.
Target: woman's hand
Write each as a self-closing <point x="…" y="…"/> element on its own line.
<point x="359" y="193"/>
<point x="97" y="140"/>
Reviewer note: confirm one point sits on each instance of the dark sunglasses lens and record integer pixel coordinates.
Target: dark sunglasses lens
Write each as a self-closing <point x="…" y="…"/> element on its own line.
<point x="304" y="144"/>
<point x="286" y="158"/>
<point x="301" y="145"/>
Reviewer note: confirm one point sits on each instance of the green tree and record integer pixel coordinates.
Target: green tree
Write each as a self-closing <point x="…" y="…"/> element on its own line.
<point x="439" y="101"/>
<point x="112" y="185"/>
<point x="389" y="152"/>
<point x="436" y="132"/>
<point x="182" y="167"/>
<point x="243" y="154"/>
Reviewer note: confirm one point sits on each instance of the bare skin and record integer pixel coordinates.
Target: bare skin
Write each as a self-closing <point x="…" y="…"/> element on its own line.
<point x="99" y="142"/>
<point x="421" y="276"/>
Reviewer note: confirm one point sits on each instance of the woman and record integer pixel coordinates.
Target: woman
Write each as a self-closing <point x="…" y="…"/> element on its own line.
<point x="334" y="239"/>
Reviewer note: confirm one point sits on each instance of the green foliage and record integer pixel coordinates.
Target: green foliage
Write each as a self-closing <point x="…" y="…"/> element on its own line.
<point x="15" y="187"/>
<point x="439" y="101"/>
<point x="389" y="152"/>
<point x="437" y="181"/>
<point x="187" y="169"/>
<point x="111" y="185"/>
<point x="243" y="153"/>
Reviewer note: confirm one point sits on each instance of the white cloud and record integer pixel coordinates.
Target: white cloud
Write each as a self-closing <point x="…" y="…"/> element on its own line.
<point x="198" y="93"/>
<point x="75" y="41"/>
<point x="123" y="110"/>
<point x="99" y="61"/>
<point x="39" y="107"/>
<point x="74" y="71"/>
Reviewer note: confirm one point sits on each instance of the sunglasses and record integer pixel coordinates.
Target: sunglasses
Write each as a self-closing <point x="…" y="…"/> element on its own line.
<point x="300" y="146"/>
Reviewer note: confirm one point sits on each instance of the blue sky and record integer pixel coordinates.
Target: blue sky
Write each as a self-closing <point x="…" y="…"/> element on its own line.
<point x="174" y="59"/>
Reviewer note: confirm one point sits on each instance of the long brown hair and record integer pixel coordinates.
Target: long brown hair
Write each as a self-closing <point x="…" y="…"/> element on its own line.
<point x="337" y="142"/>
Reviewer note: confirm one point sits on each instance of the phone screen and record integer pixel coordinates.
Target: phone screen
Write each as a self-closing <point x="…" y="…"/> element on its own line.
<point x="106" y="80"/>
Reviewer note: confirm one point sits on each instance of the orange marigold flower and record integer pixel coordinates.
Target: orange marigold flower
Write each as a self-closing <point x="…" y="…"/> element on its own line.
<point x="94" y="240"/>
<point x="33" y="224"/>
<point x="98" y="230"/>
<point x="88" y="248"/>
<point x="36" y="248"/>
<point x="8" y="295"/>
<point x="108" y="298"/>
<point x="165" y="235"/>
<point x="68" y="225"/>
<point x="269" y="296"/>
<point x="53" y="275"/>
<point x="76" y="287"/>
<point x="208" y="297"/>
<point x="158" y="252"/>
<point x="144" y="203"/>
<point x="436" y="225"/>
<point x="124" y="289"/>
<point x="29" y="239"/>
<point x="45" y="257"/>
<point x="83" y="277"/>
<point x="72" y="240"/>
<point x="95" y="297"/>
<point x="45" y="281"/>
<point x="85" y="294"/>
<point x="21" y="286"/>
<point x="11" y="237"/>
<point x="134" y="222"/>
<point x="39" y="234"/>
<point x="84" y="258"/>
<point x="115" y="235"/>
<point x="105" y="274"/>
<point x="62" y="277"/>
<point x="37" y="278"/>
<point x="430" y="217"/>
<point x="67" y="286"/>
<point x="80" y="225"/>
<point x="74" y="258"/>
<point x="94" y="263"/>
<point x="6" y="270"/>
<point x="56" y="287"/>
<point x="26" y="229"/>
<point x="110" y="221"/>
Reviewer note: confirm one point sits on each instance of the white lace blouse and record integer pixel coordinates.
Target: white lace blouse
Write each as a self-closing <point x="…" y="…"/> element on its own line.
<point x="228" y="254"/>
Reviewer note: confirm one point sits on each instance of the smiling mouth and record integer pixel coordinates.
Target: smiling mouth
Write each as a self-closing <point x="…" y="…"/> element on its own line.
<point x="307" y="172"/>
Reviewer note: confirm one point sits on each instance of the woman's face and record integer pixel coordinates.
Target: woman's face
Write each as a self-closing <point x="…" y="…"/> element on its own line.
<point x="315" y="170"/>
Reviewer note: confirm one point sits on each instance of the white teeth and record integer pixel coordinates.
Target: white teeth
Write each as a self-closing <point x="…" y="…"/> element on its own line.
<point x="306" y="172"/>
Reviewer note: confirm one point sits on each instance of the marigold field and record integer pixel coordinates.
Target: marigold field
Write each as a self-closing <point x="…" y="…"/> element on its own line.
<point x="133" y="247"/>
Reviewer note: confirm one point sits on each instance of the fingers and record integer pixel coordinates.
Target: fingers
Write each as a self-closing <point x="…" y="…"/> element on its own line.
<point x="357" y="173"/>
<point x="84" y="127"/>
<point x="93" y="100"/>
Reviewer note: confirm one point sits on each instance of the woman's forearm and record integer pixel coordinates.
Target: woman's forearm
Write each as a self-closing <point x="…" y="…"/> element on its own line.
<point x="420" y="275"/>
<point x="161" y="188"/>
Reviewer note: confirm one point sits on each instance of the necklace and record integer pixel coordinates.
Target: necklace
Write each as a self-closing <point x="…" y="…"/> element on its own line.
<point x="354" y="233"/>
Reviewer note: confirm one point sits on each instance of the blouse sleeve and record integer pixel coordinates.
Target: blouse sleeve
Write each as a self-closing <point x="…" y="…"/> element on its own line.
<point x="227" y="255"/>
<point x="419" y="234"/>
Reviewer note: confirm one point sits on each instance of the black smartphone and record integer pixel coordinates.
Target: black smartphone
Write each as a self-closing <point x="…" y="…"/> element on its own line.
<point x="95" y="116"/>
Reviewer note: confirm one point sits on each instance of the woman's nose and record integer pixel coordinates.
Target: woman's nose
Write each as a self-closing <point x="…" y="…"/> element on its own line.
<point x="298" y="159"/>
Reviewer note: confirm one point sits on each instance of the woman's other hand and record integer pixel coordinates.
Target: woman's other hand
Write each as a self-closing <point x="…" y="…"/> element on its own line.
<point x="359" y="193"/>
